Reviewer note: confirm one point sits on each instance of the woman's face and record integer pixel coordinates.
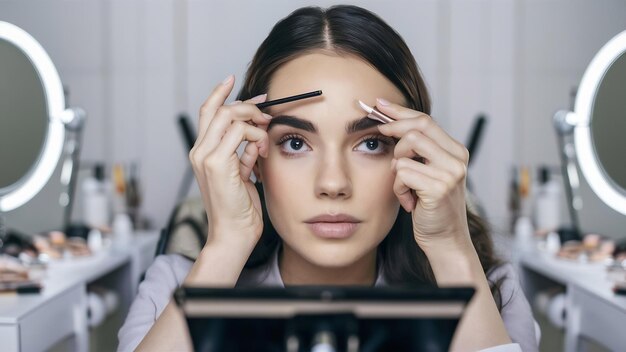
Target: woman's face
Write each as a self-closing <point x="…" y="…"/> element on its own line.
<point x="321" y="163"/>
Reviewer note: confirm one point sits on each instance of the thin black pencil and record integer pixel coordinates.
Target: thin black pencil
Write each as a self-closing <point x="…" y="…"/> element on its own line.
<point x="289" y="99"/>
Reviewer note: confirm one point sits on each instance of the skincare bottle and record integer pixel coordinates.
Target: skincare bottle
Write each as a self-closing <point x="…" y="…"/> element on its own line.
<point x="96" y="210"/>
<point x="122" y="230"/>
<point x="547" y="198"/>
<point x="524" y="233"/>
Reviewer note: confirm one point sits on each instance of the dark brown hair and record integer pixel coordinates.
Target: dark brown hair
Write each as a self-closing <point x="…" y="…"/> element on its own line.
<point x="351" y="30"/>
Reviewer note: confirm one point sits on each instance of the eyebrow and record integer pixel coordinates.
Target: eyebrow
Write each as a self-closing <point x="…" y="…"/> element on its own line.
<point x="351" y="127"/>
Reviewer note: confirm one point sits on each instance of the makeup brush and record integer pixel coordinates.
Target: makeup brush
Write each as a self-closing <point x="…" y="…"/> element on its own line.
<point x="374" y="114"/>
<point x="289" y="99"/>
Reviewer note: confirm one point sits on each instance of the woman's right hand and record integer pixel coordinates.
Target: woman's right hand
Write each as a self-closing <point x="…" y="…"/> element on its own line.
<point x="230" y="199"/>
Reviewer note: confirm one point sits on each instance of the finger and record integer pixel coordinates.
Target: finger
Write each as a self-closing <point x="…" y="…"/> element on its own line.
<point x="258" y="99"/>
<point x="397" y="111"/>
<point x="213" y="102"/>
<point x="247" y="161"/>
<point x="428" y="170"/>
<point x="405" y="194"/>
<point x="237" y="133"/>
<point x="414" y="143"/>
<point x="411" y="185"/>
<point x="408" y="119"/>
<point x="428" y="128"/>
<point x="223" y="119"/>
<point x="242" y="112"/>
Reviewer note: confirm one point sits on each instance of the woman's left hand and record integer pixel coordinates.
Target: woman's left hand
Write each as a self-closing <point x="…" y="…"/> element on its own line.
<point x="432" y="190"/>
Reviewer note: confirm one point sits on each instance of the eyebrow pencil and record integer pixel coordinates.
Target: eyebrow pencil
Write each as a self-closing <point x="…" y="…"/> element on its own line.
<point x="374" y="114"/>
<point x="289" y="99"/>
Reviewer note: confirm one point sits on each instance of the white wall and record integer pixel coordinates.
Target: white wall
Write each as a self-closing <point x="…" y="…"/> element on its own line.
<point x="134" y="65"/>
<point x="556" y="41"/>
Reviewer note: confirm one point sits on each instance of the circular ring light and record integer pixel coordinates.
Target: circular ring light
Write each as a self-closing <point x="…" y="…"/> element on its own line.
<point x="589" y="163"/>
<point x="15" y="195"/>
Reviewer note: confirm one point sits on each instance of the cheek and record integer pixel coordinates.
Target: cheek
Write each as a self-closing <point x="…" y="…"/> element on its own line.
<point x="282" y="175"/>
<point x="283" y="182"/>
<point x="376" y="180"/>
<point x="377" y="191"/>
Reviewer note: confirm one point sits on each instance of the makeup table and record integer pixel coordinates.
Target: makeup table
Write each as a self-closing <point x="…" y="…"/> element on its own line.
<point x="36" y="322"/>
<point x="593" y="310"/>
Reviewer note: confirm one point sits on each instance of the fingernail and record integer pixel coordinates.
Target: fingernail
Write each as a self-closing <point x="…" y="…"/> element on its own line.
<point x="382" y="101"/>
<point x="267" y="116"/>
<point x="260" y="97"/>
<point x="228" y="79"/>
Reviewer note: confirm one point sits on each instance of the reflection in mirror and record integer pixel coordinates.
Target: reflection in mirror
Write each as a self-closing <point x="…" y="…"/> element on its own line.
<point x="608" y="122"/>
<point x="23" y="112"/>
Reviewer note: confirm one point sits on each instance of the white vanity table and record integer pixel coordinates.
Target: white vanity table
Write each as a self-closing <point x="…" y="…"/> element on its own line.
<point x="593" y="310"/>
<point x="36" y="322"/>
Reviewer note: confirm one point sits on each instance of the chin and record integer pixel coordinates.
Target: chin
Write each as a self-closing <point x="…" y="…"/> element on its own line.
<point x="332" y="255"/>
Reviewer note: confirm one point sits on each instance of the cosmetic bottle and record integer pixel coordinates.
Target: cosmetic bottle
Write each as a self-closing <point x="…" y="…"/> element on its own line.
<point x="547" y="198"/>
<point x="133" y="196"/>
<point x="96" y="203"/>
<point x="122" y="230"/>
<point x="119" y="189"/>
<point x="525" y="192"/>
<point x="524" y="233"/>
<point x="513" y="200"/>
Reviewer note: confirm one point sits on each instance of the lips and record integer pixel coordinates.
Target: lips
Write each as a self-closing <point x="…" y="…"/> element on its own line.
<point x="333" y="226"/>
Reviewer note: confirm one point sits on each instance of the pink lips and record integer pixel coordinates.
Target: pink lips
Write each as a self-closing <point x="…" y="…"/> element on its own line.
<point x="333" y="226"/>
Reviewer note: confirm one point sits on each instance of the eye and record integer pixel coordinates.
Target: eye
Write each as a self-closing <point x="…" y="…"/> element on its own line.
<point x="293" y="144"/>
<point x="375" y="144"/>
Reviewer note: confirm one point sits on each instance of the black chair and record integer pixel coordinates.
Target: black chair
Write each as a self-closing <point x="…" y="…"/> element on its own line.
<point x="174" y="224"/>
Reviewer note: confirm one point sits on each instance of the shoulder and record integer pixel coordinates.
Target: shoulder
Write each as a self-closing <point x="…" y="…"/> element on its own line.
<point x="515" y="309"/>
<point x="502" y="271"/>
<point x="172" y="268"/>
<point x="506" y="279"/>
<point x="164" y="275"/>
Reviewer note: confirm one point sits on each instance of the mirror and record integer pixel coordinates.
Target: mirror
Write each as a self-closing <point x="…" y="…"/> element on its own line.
<point x="598" y="124"/>
<point x="33" y="117"/>
<point x="608" y="123"/>
<point x="24" y="115"/>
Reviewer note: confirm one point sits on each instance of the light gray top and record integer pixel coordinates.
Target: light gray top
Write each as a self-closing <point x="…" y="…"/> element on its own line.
<point x="169" y="271"/>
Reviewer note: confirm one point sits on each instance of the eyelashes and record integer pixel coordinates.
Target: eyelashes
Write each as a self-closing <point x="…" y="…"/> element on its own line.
<point x="297" y="142"/>
<point x="373" y="145"/>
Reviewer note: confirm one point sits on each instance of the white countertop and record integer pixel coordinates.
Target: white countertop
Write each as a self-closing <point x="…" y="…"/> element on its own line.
<point x="591" y="277"/>
<point x="64" y="274"/>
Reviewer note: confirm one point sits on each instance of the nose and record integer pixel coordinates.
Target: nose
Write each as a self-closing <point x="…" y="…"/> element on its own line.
<point x="332" y="179"/>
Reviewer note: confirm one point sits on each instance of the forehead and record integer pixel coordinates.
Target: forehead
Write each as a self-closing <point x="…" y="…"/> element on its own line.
<point x="343" y="79"/>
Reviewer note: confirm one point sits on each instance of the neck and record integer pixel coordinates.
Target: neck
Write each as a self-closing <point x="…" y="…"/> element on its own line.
<point x="296" y="270"/>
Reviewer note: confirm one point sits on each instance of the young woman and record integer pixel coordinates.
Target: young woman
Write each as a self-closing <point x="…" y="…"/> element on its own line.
<point x="340" y="199"/>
